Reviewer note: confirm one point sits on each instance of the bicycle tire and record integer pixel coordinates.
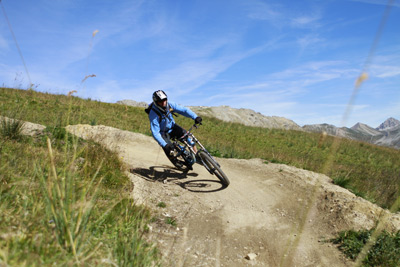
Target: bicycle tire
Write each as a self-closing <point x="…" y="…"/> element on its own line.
<point x="180" y="163"/>
<point x="214" y="167"/>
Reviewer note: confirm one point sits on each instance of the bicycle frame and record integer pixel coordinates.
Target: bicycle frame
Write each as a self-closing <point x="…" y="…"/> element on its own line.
<point x="184" y="148"/>
<point x="184" y="140"/>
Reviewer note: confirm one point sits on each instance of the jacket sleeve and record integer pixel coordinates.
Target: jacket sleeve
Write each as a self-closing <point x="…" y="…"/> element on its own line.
<point x="155" y="129"/>
<point x="183" y="110"/>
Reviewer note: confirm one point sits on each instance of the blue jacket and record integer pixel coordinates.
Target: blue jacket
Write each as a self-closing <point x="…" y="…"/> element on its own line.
<point x="167" y="121"/>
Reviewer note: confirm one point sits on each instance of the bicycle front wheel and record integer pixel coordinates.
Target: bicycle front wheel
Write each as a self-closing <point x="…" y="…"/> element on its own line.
<point x="213" y="167"/>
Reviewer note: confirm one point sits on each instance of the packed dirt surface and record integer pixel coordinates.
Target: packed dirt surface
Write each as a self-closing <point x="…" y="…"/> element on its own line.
<point x="270" y="214"/>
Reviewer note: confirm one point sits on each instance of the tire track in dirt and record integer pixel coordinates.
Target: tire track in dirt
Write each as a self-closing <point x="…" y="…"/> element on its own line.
<point x="261" y="212"/>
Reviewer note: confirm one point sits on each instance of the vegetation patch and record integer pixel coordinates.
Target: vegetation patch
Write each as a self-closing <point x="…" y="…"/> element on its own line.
<point x="372" y="171"/>
<point x="11" y="128"/>
<point x="161" y="204"/>
<point x="170" y="221"/>
<point x="384" y="252"/>
<point x="65" y="201"/>
<point x="58" y="201"/>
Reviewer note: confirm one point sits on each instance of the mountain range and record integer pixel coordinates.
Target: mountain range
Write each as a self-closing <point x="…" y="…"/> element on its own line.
<point x="387" y="134"/>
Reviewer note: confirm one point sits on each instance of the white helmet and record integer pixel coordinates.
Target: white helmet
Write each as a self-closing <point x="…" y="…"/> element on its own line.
<point x="159" y="95"/>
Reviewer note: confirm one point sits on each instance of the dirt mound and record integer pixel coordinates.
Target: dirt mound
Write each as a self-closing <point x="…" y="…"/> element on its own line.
<point x="270" y="215"/>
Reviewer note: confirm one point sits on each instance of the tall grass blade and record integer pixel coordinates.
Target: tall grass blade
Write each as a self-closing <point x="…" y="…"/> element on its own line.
<point x="11" y="128"/>
<point x="68" y="206"/>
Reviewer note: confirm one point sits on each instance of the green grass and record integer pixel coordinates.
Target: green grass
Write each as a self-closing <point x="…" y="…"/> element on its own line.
<point x="51" y="110"/>
<point x="372" y="171"/>
<point x="341" y="181"/>
<point x="384" y="252"/>
<point x="11" y="128"/>
<point x="170" y="221"/>
<point x="58" y="205"/>
<point x="162" y="204"/>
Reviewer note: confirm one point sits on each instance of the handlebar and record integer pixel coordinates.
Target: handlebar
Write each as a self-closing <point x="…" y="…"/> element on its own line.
<point x="194" y="126"/>
<point x="190" y="130"/>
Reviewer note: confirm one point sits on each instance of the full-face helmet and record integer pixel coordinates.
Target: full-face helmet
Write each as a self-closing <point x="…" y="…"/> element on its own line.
<point x="159" y="95"/>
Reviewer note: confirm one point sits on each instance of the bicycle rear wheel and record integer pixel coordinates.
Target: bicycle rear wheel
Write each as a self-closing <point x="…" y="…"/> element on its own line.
<point x="180" y="164"/>
<point x="214" y="168"/>
<point x="184" y="161"/>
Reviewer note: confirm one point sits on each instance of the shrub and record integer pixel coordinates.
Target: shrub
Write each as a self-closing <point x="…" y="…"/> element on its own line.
<point x="341" y="181"/>
<point x="11" y="128"/>
<point x="352" y="242"/>
<point x="384" y="252"/>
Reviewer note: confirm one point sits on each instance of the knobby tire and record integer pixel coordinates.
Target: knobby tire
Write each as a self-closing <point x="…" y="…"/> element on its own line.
<point x="180" y="163"/>
<point x="214" y="167"/>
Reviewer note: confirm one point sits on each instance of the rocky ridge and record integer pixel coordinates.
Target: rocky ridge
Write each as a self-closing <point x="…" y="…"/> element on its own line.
<point x="387" y="134"/>
<point x="389" y="123"/>
<point x="244" y="116"/>
<point x="133" y="103"/>
<point x="247" y="117"/>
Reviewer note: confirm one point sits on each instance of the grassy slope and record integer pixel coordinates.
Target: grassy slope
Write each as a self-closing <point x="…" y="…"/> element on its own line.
<point x="368" y="170"/>
<point x="28" y="234"/>
<point x="74" y="209"/>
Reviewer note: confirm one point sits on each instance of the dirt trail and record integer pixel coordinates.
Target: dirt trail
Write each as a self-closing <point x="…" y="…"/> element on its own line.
<point x="278" y="214"/>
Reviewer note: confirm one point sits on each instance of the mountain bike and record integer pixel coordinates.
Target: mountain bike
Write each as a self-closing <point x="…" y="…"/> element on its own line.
<point x="184" y="156"/>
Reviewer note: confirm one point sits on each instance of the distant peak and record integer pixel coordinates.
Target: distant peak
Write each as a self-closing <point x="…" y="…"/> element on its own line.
<point x="360" y="126"/>
<point x="389" y="123"/>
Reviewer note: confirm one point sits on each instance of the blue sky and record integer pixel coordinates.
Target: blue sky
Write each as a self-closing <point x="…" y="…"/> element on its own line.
<point x="294" y="59"/>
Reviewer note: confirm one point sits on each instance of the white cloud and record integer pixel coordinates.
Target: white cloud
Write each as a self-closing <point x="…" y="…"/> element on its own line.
<point x="3" y="44"/>
<point x="283" y="16"/>
<point x="385" y="71"/>
<point x="292" y="93"/>
<point x="193" y="73"/>
<point x="386" y="66"/>
<point x="309" y="40"/>
<point x="306" y="21"/>
<point x="315" y="72"/>
<point x="377" y="2"/>
<point x="105" y="91"/>
<point x="258" y="10"/>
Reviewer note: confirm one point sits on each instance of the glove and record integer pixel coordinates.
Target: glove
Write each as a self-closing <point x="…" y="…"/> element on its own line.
<point x="198" y="120"/>
<point x="168" y="148"/>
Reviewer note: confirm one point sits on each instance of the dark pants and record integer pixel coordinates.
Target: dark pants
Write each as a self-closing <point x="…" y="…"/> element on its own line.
<point x="176" y="133"/>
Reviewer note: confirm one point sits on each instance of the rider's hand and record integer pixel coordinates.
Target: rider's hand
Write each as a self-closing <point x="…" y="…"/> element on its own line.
<point x="168" y="148"/>
<point x="198" y="120"/>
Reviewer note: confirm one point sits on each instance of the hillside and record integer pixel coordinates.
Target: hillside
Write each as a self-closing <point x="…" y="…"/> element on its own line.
<point x="369" y="171"/>
<point x="272" y="213"/>
<point x="267" y="211"/>
<point x="247" y="117"/>
<point x="243" y="116"/>
<point x="252" y="222"/>
<point x="387" y="134"/>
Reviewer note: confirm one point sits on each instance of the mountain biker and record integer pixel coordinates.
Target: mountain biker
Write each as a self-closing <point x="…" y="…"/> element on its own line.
<point x="162" y="123"/>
